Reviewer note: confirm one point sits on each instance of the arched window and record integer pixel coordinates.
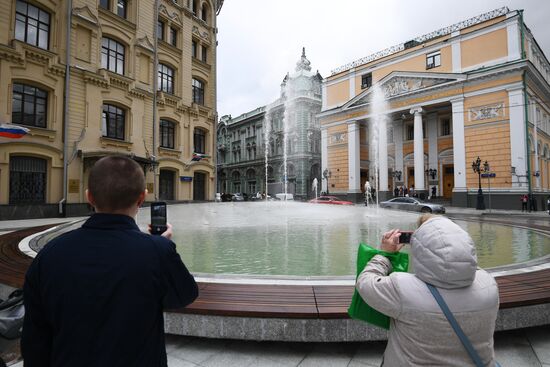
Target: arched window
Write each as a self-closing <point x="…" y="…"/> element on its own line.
<point x="167" y="134"/>
<point x="250" y="174"/>
<point x="113" y="122"/>
<point x="198" y="92"/>
<point x="29" y="105"/>
<point x="166" y="79"/>
<point x="195" y="6"/>
<point x="112" y="55"/>
<point x="27" y="180"/>
<point x="204" y="12"/>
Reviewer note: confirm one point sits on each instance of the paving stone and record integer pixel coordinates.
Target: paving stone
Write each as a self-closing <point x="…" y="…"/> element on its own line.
<point x="231" y="357"/>
<point x="266" y="362"/>
<point x="540" y="342"/>
<point x="199" y="350"/>
<point x="176" y="362"/>
<point x="512" y="349"/>
<point x="370" y="353"/>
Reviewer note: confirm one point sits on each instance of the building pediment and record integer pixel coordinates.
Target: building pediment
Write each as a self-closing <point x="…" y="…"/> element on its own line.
<point x="86" y="14"/>
<point x="398" y="84"/>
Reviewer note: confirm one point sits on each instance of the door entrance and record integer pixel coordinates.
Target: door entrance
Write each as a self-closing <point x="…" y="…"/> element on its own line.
<point x="166" y="184"/>
<point x="448" y="180"/>
<point x="199" y="186"/>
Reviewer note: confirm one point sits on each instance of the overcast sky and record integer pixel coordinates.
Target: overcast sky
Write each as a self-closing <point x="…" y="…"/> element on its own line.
<point x="260" y="40"/>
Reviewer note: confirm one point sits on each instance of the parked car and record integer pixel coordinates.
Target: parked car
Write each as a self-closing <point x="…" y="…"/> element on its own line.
<point x="412" y="204"/>
<point x="237" y="197"/>
<point x="283" y="196"/>
<point x="330" y="200"/>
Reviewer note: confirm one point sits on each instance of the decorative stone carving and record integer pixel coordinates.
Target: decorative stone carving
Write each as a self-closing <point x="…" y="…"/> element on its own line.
<point x="487" y="112"/>
<point x="203" y="35"/>
<point x="338" y="138"/>
<point x="86" y="14"/>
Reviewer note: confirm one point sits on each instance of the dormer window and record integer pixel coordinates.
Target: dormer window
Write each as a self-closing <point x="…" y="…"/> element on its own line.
<point x="366" y="81"/>
<point x="433" y="60"/>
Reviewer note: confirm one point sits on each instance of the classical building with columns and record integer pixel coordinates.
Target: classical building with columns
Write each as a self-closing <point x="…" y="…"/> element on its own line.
<point x="90" y="78"/>
<point x="480" y="87"/>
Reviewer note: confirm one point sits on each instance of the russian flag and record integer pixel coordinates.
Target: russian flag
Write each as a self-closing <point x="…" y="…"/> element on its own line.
<point x="199" y="156"/>
<point x="12" y="131"/>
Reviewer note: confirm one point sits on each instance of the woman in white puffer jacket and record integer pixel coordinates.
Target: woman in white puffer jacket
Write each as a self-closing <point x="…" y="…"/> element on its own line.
<point x="442" y="254"/>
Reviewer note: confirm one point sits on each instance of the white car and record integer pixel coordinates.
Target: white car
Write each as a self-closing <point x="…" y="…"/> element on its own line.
<point x="285" y="197"/>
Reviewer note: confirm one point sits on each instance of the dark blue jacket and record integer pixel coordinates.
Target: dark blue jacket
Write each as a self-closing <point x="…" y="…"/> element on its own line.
<point x="94" y="296"/>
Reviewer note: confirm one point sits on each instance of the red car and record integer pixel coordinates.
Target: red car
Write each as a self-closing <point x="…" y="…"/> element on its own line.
<point x="330" y="200"/>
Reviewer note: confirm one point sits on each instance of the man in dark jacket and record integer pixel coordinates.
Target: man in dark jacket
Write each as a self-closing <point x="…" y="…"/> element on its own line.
<point x="95" y="296"/>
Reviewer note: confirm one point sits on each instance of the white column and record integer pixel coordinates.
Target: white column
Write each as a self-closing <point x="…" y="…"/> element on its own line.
<point x="536" y="145"/>
<point x="418" y="150"/>
<point x="514" y="44"/>
<point x="351" y="79"/>
<point x="459" y="147"/>
<point x="456" y="52"/>
<point x="398" y="140"/>
<point x="518" y="144"/>
<point x="354" y="159"/>
<point x="383" y="155"/>
<point x="324" y="96"/>
<point x="431" y="126"/>
<point x="324" y="157"/>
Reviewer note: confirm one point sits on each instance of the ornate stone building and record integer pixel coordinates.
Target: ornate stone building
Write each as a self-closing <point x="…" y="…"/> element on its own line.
<point x="141" y="82"/>
<point x="479" y="88"/>
<point x="242" y="148"/>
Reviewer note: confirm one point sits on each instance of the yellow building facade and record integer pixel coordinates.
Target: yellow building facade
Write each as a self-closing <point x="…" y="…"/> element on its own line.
<point x="141" y="83"/>
<point x="417" y="115"/>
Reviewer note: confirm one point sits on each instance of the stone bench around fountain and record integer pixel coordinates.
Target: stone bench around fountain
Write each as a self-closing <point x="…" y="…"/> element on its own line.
<point x="314" y="309"/>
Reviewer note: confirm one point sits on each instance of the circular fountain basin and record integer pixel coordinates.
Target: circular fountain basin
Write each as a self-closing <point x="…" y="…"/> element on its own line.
<point x="304" y="240"/>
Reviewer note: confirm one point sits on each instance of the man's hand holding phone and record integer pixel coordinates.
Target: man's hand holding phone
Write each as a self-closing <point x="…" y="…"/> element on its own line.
<point x="168" y="233"/>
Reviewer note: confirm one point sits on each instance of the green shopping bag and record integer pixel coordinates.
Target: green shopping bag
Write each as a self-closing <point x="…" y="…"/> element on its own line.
<point x="359" y="309"/>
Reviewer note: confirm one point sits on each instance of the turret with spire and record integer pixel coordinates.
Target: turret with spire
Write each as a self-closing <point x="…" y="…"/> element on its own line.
<point x="304" y="63"/>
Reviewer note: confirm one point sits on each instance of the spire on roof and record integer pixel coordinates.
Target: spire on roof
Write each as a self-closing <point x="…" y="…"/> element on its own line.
<point x="304" y="63"/>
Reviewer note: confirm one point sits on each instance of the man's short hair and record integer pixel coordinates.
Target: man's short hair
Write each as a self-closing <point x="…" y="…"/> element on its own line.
<point x="116" y="182"/>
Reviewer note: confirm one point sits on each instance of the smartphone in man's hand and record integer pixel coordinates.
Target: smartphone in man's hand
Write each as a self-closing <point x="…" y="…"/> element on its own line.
<point x="158" y="217"/>
<point x="405" y="237"/>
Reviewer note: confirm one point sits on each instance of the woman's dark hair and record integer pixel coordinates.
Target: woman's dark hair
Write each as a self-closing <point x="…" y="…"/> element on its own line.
<point x="115" y="183"/>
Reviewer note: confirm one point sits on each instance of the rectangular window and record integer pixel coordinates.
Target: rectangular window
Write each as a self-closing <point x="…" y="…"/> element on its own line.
<point x="409" y="132"/>
<point x="167" y="134"/>
<point x="366" y="81"/>
<point x="160" y="30"/>
<point x="433" y="60"/>
<point x="28" y="180"/>
<point x="199" y="141"/>
<point x="204" y="53"/>
<point x="29" y="105"/>
<point x="445" y="127"/>
<point x="32" y="25"/>
<point x="104" y="4"/>
<point x="112" y="55"/>
<point x="114" y="119"/>
<point x="166" y="79"/>
<point x="173" y="36"/>
<point x="121" y="8"/>
<point x="198" y="92"/>
<point x="194" y="49"/>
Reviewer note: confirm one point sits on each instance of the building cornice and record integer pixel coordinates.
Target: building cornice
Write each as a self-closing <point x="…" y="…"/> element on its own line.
<point x="424" y="38"/>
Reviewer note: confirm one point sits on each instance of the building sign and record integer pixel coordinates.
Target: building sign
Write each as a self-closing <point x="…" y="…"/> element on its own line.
<point x="488" y="175"/>
<point x="186" y="178"/>
<point x="74" y="186"/>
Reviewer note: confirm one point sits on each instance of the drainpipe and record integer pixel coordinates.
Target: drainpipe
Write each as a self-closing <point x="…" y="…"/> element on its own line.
<point x="525" y="106"/>
<point x="63" y="202"/>
<point x="155" y="87"/>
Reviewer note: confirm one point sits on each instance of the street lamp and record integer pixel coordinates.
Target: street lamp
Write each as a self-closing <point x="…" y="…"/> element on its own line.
<point x="432" y="172"/>
<point x="476" y="166"/>
<point x="397" y="175"/>
<point x="326" y="175"/>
